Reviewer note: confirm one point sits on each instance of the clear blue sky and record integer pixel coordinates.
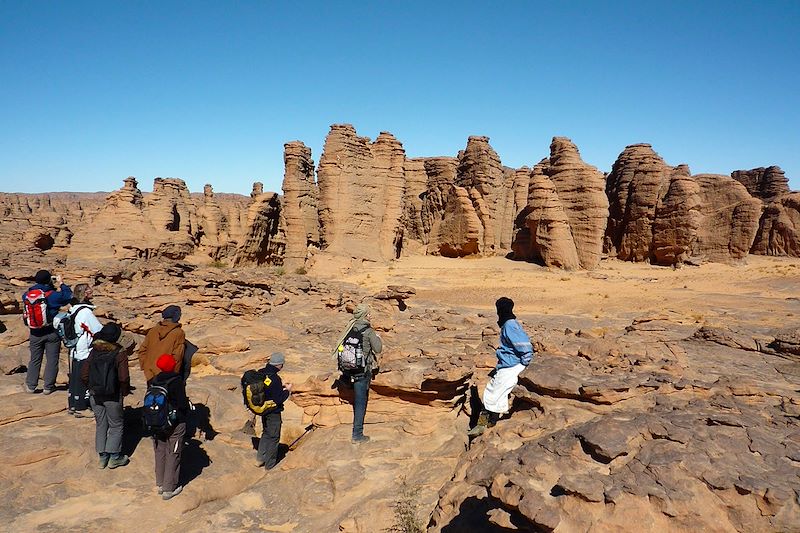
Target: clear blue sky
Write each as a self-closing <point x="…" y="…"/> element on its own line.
<point x="93" y="92"/>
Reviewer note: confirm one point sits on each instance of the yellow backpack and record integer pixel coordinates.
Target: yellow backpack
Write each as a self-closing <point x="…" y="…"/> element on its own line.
<point x="254" y="388"/>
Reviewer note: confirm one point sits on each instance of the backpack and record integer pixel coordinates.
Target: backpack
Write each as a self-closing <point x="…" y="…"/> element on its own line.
<point x="158" y="414"/>
<point x="103" y="378"/>
<point x="65" y="326"/>
<point x="34" y="308"/>
<point x="254" y="392"/>
<point x="351" y="353"/>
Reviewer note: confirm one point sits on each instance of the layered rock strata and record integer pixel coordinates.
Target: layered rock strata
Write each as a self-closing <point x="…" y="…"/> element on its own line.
<point x="299" y="204"/>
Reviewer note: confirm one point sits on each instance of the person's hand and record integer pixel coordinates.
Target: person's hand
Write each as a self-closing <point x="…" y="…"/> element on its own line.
<point x="287" y="386"/>
<point x="59" y="280"/>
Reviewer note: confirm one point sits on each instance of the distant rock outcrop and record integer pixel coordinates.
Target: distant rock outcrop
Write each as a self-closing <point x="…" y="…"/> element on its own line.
<point x="299" y="203"/>
<point x="565" y="219"/>
<point x="764" y="183"/>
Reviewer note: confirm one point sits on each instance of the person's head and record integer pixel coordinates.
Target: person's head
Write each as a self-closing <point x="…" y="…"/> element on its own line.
<point x="82" y="292"/>
<point x="172" y="313"/>
<point x="361" y="312"/>
<point x="277" y="360"/>
<point x="505" y="309"/>
<point x="165" y="363"/>
<point x="108" y="335"/>
<point x="43" y="277"/>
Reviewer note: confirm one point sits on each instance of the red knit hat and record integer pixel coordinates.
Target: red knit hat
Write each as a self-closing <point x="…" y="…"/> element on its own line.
<point x="166" y="362"/>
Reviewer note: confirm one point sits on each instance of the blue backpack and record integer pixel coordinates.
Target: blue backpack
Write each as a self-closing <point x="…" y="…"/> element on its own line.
<point x="158" y="415"/>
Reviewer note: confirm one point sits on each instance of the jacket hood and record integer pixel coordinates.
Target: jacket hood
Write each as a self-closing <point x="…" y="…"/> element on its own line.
<point x="361" y="324"/>
<point x="164" y="327"/>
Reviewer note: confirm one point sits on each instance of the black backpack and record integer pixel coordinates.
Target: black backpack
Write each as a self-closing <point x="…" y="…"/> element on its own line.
<point x="158" y="414"/>
<point x="66" y="327"/>
<point x="254" y="392"/>
<point x="103" y="377"/>
<point x="351" y="353"/>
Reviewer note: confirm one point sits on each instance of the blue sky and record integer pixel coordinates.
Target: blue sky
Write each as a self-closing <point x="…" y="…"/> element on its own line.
<point x="209" y="91"/>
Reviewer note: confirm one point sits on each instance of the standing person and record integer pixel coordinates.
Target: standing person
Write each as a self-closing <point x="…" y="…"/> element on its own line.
<point x="40" y="305"/>
<point x="86" y="325"/>
<point x="105" y="373"/>
<point x="357" y="329"/>
<point x="166" y="337"/>
<point x="513" y="355"/>
<point x="275" y="395"/>
<point x="168" y="444"/>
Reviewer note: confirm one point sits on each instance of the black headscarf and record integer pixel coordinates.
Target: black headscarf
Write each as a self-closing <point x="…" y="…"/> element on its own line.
<point x="505" y="310"/>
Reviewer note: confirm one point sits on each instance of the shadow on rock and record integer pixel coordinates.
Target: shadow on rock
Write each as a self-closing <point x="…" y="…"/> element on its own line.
<point x="193" y="460"/>
<point x="134" y="430"/>
<point x="475" y="515"/>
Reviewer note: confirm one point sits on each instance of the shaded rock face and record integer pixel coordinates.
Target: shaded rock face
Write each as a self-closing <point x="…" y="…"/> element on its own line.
<point x="764" y="183"/>
<point x="361" y="189"/>
<point x="778" y="227"/>
<point x="565" y="218"/>
<point x="664" y="215"/>
<point x="299" y="204"/>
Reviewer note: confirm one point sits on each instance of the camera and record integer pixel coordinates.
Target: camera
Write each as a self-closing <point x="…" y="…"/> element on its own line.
<point x="54" y="280"/>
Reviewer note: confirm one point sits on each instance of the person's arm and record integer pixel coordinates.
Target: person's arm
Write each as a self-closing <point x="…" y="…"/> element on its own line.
<point x="61" y="297"/>
<point x="123" y="373"/>
<point x="375" y="342"/>
<point x="279" y="393"/>
<point x="143" y="350"/>
<point x="90" y="321"/>
<point x="178" y="347"/>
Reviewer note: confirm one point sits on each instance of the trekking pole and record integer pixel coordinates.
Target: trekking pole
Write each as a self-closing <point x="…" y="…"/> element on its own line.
<point x="308" y="430"/>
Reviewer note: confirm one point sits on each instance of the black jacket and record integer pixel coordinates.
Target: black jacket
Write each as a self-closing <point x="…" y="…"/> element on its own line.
<point x="275" y="391"/>
<point x="176" y="392"/>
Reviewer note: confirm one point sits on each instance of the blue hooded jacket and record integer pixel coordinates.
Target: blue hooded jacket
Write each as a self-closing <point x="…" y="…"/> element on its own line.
<point x="515" y="346"/>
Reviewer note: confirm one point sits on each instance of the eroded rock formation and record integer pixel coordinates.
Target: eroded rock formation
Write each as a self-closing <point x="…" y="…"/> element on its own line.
<point x="566" y="214"/>
<point x="299" y="204"/>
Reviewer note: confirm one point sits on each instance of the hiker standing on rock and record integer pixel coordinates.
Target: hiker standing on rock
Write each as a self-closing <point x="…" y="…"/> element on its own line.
<point x="85" y="325"/>
<point x="105" y="373"/>
<point x="40" y="304"/>
<point x="168" y="441"/>
<point x="356" y="353"/>
<point x="513" y="355"/>
<point x="265" y="394"/>
<point x="165" y="337"/>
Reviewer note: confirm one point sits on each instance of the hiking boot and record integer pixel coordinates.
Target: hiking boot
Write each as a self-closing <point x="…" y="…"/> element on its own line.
<point x="116" y="462"/>
<point x="160" y="490"/>
<point x="481" y="425"/>
<point x="48" y="391"/>
<point x="169" y="495"/>
<point x="27" y="389"/>
<point x="361" y="439"/>
<point x="103" y="461"/>
<point x="260" y="463"/>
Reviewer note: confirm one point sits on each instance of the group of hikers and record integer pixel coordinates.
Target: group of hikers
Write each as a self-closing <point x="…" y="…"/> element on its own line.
<point x="99" y="375"/>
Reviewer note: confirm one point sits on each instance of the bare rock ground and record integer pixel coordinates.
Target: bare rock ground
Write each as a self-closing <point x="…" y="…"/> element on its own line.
<point x="660" y="399"/>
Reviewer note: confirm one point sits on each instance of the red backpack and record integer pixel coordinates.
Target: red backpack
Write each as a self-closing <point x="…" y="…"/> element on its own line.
<point x="34" y="308"/>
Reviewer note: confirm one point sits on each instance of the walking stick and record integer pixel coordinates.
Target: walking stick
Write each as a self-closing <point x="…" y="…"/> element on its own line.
<point x="295" y="442"/>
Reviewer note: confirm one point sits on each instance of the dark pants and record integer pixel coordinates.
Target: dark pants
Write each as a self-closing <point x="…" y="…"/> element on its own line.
<point x="78" y="395"/>
<point x="270" y="438"/>
<point x="109" y="422"/>
<point x="361" y="396"/>
<point x="168" y="450"/>
<point x="47" y="345"/>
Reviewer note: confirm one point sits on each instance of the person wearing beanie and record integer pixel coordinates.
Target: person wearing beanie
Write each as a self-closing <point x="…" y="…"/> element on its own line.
<point x="276" y="392"/>
<point x="513" y="355"/>
<point x="371" y="346"/>
<point x="105" y="374"/>
<point x="85" y="326"/>
<point x="165" y="337"/>
<point x="168" y="446"/>
<point x="44" y="341"/>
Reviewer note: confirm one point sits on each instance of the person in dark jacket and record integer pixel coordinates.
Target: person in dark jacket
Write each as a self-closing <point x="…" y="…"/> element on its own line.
<point x="271" y="420"/>
<point x="513" y="356"/>
<point x="169" y="445"/>
<point x="371" y="346"/>
<point x="107" y="407"/>
<point x="44" y="341"/>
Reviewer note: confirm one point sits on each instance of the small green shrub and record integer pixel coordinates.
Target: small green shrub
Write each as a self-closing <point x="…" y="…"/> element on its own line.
<point x="301" y="270"/>
<point x="216" y="263"/>
<point x="406" y="510"/>
<point x="279" y="271"/>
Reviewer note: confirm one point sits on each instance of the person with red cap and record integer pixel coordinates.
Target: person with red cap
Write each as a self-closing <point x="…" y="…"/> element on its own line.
<point x="169" y="444"/>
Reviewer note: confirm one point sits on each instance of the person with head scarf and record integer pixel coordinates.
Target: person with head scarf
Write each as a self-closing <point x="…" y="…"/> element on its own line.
<point x="44" y="341"/>
<point x="165" y="337"/>
<point x="85" y="325"/>
<point x="513" y="355"/>
<point x="371" y="345"/>
<point x="168" y="445"/>
<point x="105" y="374"/>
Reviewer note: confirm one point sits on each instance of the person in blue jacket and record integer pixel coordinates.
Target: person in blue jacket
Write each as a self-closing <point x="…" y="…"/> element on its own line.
<point x="44" y="341"/>
<point x="513" y="355"/>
